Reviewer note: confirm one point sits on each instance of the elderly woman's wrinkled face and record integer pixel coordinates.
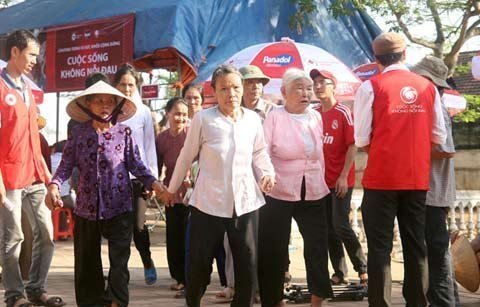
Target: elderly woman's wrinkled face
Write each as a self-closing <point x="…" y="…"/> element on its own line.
<point x="127" y="85"/>
<point x="177" y="116"/>
<point x="298" y="94"/>
<point x="102" y="104"/>
<point x="228" y="92"/>
<point x="193" y="97"/>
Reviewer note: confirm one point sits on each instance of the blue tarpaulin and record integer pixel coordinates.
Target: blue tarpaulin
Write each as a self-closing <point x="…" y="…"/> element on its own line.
<point x="206" y="32"/>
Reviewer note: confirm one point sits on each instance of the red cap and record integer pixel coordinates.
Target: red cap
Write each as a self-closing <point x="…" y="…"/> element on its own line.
<point x="324" y="73"/>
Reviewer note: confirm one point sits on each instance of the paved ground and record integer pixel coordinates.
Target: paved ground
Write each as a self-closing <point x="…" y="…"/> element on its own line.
<point x="141" y="295"/>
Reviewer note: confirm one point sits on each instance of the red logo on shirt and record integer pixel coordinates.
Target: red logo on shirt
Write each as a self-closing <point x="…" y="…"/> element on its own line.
<point x="408" y="94"/>
<point x="328" y="139"/>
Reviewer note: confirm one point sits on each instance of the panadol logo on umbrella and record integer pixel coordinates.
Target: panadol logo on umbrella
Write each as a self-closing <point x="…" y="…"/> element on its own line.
<point x="281" y="60"/>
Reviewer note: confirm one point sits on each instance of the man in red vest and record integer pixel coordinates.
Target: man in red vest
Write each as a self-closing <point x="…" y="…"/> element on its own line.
<point x="23" y="174"/>
<point x="398" y="116"/>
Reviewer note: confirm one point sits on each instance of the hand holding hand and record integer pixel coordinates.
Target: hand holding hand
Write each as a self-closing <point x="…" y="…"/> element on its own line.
<point x="267" y="183"/>
<point x="158" y="187"/>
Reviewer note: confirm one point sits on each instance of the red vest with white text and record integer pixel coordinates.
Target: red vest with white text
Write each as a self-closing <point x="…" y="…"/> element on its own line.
<point x="399" y="155"/>
<point x="20" y="153"/>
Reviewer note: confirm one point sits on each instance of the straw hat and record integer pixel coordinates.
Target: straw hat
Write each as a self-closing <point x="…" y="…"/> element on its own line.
<point x="77" y="114"/>
<point x="465" y="264"/>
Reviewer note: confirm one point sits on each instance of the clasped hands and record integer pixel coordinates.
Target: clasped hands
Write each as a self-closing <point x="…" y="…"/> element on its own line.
<point x="162" y="193"/>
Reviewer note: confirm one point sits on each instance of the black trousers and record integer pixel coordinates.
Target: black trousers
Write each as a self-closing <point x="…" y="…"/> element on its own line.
<point x="274" y="233"/>
<point x="89" y="282"/>
<point x="141" y="237"/>
<point x="340" y="233"/>
<point x="379" y="209"/>
<point x="176" y="227"/>
<point x="206" y="237"/>
<point x="441" y="289"/>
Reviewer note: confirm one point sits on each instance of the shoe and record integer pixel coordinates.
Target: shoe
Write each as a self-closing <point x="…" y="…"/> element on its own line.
<point x="150" y="274"/>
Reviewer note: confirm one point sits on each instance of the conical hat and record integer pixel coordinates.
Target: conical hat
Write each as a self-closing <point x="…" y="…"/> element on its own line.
<point x="77" y="114"/>
<point x="465" y="264"/>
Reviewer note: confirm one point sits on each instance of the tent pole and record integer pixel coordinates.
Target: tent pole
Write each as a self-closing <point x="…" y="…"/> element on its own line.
<point x="179" y="74"/>
<point x="58" y="117"/>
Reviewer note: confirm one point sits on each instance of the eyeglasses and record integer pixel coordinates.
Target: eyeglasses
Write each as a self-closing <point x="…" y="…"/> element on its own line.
<point x="324" y="82"/>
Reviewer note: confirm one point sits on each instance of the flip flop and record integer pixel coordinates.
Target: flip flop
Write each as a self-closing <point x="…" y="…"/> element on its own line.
<point x="52" y="301"/>
<point x="12" y="300"/>
<point x="177" y="287"/>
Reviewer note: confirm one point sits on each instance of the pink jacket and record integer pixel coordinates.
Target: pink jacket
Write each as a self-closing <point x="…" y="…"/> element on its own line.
<point x="286" y="147"/>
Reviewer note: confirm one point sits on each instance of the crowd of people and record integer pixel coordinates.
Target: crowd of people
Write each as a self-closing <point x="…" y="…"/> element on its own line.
<point x="234" y="177"/>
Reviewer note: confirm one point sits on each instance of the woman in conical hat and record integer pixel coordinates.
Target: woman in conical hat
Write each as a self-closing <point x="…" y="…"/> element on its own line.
<point x="104" y="151"/>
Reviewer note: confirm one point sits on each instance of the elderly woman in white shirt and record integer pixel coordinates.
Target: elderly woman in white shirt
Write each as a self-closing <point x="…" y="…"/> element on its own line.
<point x="294" y="135"/>
<point x="228" y="140"/>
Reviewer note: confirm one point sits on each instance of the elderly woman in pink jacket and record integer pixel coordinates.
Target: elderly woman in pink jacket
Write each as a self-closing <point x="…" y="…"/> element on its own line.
<point x="294" y="135"/>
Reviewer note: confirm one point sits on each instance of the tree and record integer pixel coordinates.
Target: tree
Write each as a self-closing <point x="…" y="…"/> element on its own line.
<point x="454" y="21"/>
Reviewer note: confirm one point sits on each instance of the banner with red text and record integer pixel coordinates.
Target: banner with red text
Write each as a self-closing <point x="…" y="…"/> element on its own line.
<point x="74" y="51"/>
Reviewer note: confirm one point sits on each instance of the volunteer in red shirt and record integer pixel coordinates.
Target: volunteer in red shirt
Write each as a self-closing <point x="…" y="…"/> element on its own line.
<point x="398" y="116"/>
<point x="339" y="151"/>
<point x="23" y="174"/>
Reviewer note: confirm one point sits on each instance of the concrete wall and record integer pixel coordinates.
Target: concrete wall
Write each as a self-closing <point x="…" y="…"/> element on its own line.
<point x="467" y="169"/>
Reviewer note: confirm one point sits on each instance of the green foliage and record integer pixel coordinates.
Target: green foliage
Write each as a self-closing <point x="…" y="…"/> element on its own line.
<point x="472" y="112"/>
<point x="304" y="9"/>
<point x="463" y="68"/>
<point x="5" y="3"/>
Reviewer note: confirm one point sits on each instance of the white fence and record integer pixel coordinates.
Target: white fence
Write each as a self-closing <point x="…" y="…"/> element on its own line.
<point x="464" y="214"/>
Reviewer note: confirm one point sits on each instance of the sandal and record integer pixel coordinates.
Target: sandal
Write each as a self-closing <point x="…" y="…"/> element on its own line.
<point x="226" y="295"/>
<point x="52" y="301"/>
<point x="363" y="279"/>
<point x="177" y="287"/>
<point x="180" y="293"/>
<point x="337" y="280"/>
<point x="11" y="301"/>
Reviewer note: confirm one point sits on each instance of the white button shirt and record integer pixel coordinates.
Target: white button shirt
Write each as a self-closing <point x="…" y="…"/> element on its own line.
<point x="363" y="113"/>
<point x="144" y="135"/>
<point x="226" y="151"/>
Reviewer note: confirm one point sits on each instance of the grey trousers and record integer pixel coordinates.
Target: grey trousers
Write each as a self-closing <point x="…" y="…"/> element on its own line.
<point x="31" y="200"/>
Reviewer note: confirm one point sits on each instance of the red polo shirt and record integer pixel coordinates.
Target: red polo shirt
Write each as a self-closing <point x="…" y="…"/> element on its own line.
<point x="338" y="136"/>
<point x="20" y="154"/>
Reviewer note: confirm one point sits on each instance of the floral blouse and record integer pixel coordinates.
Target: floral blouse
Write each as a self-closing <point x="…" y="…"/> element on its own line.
<point x="104" y="161"/>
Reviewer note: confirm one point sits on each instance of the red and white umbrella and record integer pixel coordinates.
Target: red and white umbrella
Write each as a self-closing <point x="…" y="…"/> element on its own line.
<point x="275" y="58"/>
<point x="36" y="91"/>
<point x="454" y="101"/>
<point x="366" y="71"/>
